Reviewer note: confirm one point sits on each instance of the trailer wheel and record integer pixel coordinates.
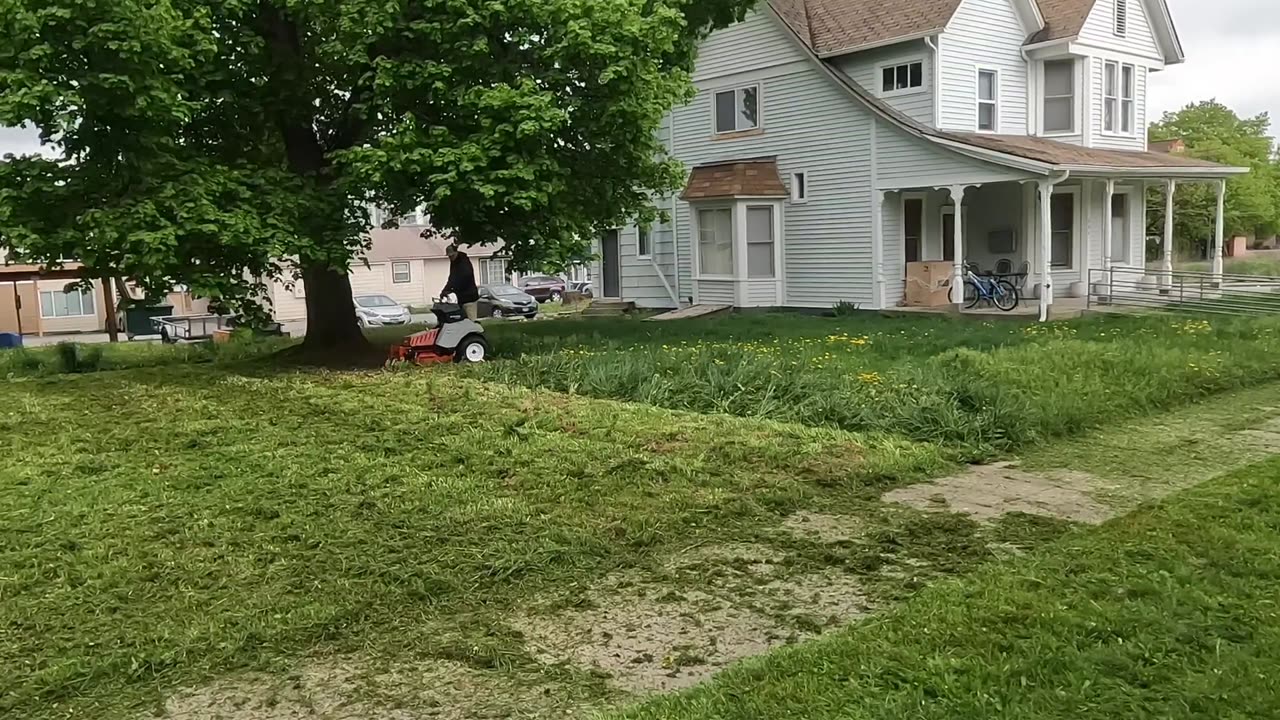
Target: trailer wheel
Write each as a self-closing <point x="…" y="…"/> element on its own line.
<point x="473" y="349"/>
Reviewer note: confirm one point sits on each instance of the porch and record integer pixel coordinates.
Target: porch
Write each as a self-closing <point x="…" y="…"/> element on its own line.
<point x="1044" y="235"/>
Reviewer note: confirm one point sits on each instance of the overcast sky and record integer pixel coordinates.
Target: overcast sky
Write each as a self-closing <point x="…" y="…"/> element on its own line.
<point x="1233" y="54"/>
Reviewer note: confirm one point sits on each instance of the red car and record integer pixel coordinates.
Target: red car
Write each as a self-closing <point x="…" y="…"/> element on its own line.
<point x="543" y="288"/>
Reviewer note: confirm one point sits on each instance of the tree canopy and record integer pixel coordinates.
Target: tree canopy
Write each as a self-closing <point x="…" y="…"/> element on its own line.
<point x="204" y="142"/>
<point x="1212" y="131"/>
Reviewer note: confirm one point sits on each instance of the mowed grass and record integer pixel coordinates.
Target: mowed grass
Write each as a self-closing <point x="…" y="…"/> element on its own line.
<point x="1171" y="612"/>
<point x="980" y="388"/>
<point x="163" y="528"/>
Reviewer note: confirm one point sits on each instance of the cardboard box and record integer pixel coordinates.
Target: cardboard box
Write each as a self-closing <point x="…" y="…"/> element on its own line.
<point x="929" y="284"/>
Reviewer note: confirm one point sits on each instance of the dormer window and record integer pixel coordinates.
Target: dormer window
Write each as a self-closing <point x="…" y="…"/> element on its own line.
<point x="902" y="78"/>
<point x="1122" y="18"/>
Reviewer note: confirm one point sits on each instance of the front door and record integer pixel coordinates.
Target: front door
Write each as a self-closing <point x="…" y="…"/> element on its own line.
<point x="949" y="234"/>
<point x="913" y="229"/>
<point x="610" y="265"/>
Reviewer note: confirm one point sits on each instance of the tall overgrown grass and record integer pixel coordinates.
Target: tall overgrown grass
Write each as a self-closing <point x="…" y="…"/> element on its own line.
<point x="1018" y="385"/>
<point x="73" y="357"/>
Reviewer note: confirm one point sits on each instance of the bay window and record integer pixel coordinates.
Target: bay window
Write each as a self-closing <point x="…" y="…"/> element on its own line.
<point x="715" y="242"/>
<point x="1060" y="96"/>
<point x="760" y="241"/>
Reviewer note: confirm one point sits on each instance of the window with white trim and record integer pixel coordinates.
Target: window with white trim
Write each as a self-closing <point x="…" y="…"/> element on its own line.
<point x="715" y="242"/>
<point x="799" y="187"/>
<point x="493" y="271"/>
<point x="1122" y="18"/>
<point x="400" y="272"/>
<point x="737" y="110"/>
<point x="1059" y="96"/>
<point x="902" y="78"/>
<point x="988" y="100"/>
<point x="644" y="243"/>
<point x="1120" y="228"/>
<point x="760" y="242"/>
<point x="67" y="302"/>
<point x="1118" y="102"/>
<point x="1062" y="223"/>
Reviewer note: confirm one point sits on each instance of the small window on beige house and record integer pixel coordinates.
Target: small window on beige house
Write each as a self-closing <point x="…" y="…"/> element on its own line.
<point x="400" y="272"/>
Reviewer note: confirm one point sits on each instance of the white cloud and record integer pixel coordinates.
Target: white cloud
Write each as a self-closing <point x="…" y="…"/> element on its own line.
<point x="1233" y="50"/>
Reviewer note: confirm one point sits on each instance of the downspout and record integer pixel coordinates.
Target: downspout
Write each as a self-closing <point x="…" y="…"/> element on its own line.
<point x="1046" y="241"/>
<point x="932" y="43"/>
<point x="675" y="226"/>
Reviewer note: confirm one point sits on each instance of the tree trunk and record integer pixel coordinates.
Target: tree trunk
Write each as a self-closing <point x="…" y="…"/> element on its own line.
<point x="113" y="327"/>
<point x="331" y="313"/>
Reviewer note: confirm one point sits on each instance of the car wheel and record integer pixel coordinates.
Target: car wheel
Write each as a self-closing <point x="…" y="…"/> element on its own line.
<point x="472" y="349"/>
<point x="556" y="296"/>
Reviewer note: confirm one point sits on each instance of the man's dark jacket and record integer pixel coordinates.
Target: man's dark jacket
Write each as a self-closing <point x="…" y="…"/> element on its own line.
<point x="462" y="279"/>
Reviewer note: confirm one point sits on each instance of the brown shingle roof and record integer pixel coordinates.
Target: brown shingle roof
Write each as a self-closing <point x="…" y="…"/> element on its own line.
<point x="838" y="25"/>
<point x="754" y="177"/>
<point x="1060" y="153"/>
<point x="1062" y="18"/>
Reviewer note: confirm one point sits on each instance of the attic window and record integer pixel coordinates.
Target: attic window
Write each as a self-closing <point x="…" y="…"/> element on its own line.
<point x="902" y="78"/>
<point x="1122" y="18"/>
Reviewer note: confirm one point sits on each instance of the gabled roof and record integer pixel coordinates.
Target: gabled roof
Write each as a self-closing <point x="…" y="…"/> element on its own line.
<point x="751" y="177"/>
<point x="1062" y="18"/>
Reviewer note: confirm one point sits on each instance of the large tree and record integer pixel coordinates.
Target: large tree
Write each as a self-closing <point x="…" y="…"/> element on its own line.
<point x="1212" y="131"/>
<point x="216" y="143"/>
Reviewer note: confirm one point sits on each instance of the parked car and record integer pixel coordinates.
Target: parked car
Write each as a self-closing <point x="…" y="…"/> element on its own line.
<point x="543" y="287"/>
<point x="506" y="301"/>
<point x="379" y="310"/>
<point x="582" y="287"/>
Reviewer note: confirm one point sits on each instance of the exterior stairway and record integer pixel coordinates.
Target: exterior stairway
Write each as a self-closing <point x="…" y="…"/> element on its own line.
<point x="602" y="307"/>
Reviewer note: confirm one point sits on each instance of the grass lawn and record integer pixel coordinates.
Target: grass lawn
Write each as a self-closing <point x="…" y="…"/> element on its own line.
<point x="162" y="528"/>
<point x="1263" y="263"/>
<point x="981" y="388"/>
<point x="1168" y="613"/>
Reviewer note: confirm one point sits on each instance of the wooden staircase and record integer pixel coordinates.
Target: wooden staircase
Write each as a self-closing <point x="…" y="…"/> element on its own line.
<point x="603" y="307"/>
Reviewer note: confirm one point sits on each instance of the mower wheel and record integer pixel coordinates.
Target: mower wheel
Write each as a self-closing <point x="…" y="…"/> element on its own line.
<point x="473" y="349"/>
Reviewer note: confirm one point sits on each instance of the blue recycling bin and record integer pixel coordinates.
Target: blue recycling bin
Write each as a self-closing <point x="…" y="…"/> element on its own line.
<point x="10" y="340"/>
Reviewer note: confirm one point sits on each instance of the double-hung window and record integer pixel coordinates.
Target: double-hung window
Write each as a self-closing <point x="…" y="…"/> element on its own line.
<point x="988" y="100"/>
<point x="715" y="242"/>
<point x="401" y="272"/>
<point x="760" y="241"/>
<point x="1060" y="96"/>
<point x="493" y="271"/>
<point x="738" y="109"/>
<point x="644" y="243"/>
<point x="902" y="78"/>
<point x="1118" y="90"/>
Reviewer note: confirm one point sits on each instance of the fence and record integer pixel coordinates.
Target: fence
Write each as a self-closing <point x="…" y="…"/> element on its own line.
<point x="1180" y="291"/>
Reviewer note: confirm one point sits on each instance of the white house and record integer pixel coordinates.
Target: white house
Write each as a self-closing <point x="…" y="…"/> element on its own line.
<point x="831" y="141"/>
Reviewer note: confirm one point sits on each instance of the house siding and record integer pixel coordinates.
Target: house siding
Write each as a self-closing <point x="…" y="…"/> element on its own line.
<point x="810" y="125"/>
<point x="864" y="68"/>
<point x="894" y="257"/>
<point x="1099" y="29"/>
<point x="641" y="280"/>
<point x="715" y="292"/>
<point x="986" y="34"/>
<point x="1097" y="80"/>
<point x="78" y="324"/>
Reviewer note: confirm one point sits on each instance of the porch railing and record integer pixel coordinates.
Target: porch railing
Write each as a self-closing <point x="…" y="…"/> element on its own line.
<point x="1182" y="291"/>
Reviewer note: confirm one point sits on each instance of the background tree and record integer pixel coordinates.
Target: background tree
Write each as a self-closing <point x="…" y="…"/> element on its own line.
<point x="1212" y="131"/>
<point x="220" y="143"/>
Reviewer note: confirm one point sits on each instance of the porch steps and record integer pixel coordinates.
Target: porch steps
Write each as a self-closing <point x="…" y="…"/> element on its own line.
<point x="693" y="311"/>
<point x="608" y="308"/>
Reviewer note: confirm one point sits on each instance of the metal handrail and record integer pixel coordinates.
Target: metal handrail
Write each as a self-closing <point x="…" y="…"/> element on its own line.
<point x="1187" y="291"/>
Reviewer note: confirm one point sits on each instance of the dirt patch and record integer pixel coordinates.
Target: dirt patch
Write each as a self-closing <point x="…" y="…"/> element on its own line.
<point x="651" y="636"/>
<point x="987" y="492"/>
<point x="347" y="690"/>
<point x="823" y="527"/>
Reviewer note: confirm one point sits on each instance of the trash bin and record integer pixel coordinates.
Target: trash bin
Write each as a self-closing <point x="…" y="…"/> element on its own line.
<point x="137" y="318"/>
<point x="10" y="340"/>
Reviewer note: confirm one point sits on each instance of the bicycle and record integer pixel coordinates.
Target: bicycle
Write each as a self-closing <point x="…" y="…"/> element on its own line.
<point x="997" y="292"/>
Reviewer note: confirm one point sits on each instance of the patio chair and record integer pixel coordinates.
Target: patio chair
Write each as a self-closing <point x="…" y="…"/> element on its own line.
<point x="1004" y="266"/>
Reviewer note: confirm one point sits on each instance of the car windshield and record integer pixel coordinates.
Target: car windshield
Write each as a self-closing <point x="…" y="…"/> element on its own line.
<point x="375" y="301"/>
<point x="505" y="291"/>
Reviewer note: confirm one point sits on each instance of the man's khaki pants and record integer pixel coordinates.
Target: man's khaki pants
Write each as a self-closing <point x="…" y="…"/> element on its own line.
<point x="472" y="310"/>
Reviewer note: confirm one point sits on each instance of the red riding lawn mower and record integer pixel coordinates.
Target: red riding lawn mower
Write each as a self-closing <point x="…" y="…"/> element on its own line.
<point x="455" y="338"/>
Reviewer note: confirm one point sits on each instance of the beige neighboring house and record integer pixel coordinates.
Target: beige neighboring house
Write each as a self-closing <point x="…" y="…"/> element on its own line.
<point x="402" y="264"/>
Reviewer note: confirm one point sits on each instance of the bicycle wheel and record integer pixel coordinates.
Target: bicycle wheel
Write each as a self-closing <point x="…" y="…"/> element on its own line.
<point x="971" y="294"/>
<point x="1006" y="296"/>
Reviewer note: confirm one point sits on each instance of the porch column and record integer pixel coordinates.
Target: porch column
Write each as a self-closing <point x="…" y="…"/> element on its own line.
<point x="957" y="247"/>
<point x="1166" y="262"/>
<point x="1108" y="196"/>
<point x="1046" y="247"/>
<point x="1219" y="230"/>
